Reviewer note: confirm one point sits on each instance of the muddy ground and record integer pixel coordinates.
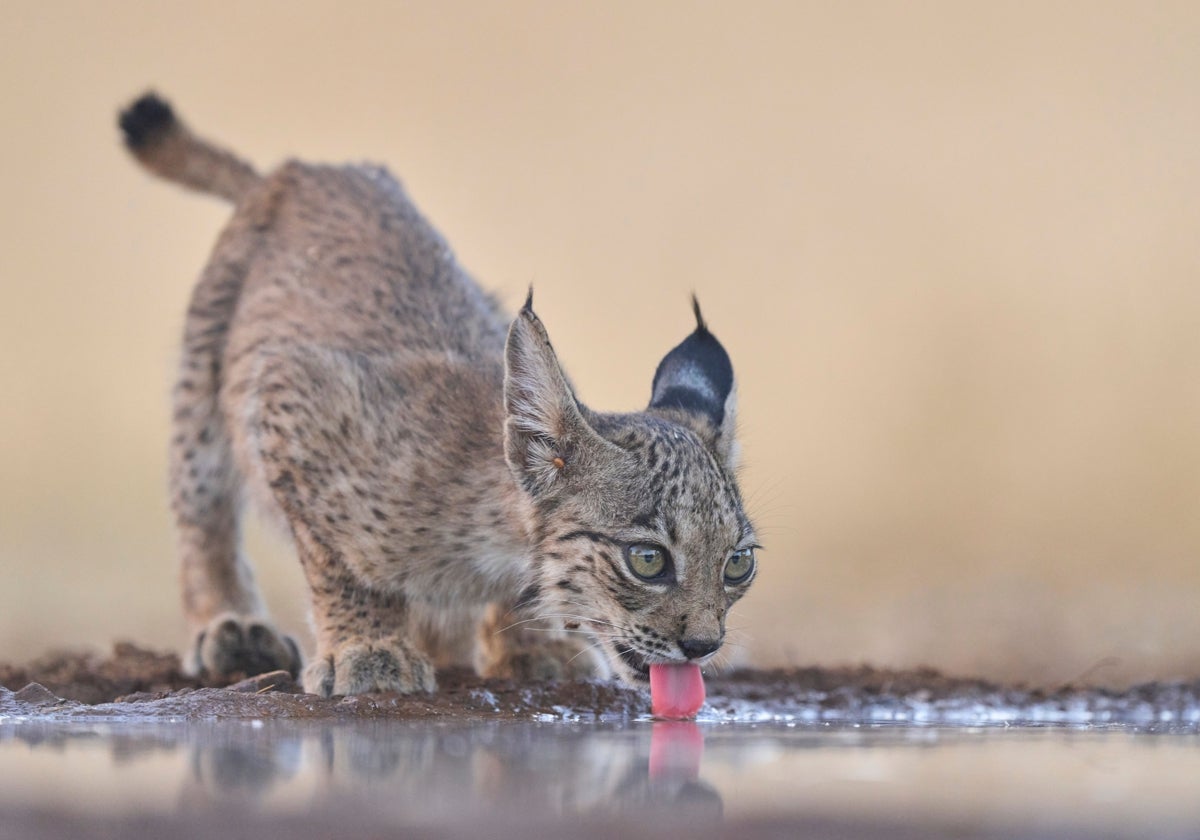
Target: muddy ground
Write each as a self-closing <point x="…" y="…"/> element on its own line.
<point x="132" y="682"/>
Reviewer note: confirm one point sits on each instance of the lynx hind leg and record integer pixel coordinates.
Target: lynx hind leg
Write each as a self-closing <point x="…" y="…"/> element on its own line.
<point x="511" y="646"/>
<point x="221" y="601"/>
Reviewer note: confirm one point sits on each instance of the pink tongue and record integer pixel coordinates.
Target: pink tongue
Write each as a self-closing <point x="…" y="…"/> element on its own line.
<point x="676" y="691"/>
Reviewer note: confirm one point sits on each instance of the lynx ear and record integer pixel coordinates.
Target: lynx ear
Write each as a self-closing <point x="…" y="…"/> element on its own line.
<point x="544" y="428"/>
<point x="697" y="377"/>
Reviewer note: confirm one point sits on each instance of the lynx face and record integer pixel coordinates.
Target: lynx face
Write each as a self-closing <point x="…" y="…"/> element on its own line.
<point x="641" y="538"/>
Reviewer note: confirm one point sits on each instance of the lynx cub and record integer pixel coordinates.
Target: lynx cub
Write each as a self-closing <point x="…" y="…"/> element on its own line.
<point x="430" y="460"/>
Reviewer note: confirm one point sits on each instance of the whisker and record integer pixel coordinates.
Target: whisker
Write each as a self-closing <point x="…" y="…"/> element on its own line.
<point x="589" y="633"/>
<point x="582" y="619"/>
<point x="544" y="616"/>
<point x="515" y="624"/>
<point x="581" y="606"/>
<point x="587" y="649"/>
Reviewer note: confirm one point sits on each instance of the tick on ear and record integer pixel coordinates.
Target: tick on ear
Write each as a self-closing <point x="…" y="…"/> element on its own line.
<point x="559" y="463"/>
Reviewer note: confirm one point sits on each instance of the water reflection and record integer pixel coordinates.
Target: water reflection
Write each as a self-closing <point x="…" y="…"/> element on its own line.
<point x="673" y="770"/>
<point x="228" y="764"/>
<point x="482" y="774"/>
<point x="436" y="771"/>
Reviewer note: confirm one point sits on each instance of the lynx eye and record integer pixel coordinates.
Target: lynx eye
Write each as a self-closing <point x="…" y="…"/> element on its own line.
<point x="649" y="562"/>
<point x="739" y="566"/>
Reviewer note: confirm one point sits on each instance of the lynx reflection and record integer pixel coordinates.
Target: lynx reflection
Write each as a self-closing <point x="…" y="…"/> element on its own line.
<point x="455" y="772"/>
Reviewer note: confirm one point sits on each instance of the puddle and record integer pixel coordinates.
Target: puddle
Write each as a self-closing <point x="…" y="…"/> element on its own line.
<point x="125" y="745"/>
<point x="505" y="778"/>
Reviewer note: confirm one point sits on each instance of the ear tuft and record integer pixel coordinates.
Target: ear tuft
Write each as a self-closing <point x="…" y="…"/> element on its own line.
<point x="700" y="325"/>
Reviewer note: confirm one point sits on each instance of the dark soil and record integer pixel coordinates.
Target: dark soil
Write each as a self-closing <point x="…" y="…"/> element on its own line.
<point x="90" y="678"/>
<point x="133" y="682"/>
<point x="136" y="683"/>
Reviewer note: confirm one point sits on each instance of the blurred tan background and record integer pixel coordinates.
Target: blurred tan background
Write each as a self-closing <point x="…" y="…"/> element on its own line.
<point x="952" y="249"/>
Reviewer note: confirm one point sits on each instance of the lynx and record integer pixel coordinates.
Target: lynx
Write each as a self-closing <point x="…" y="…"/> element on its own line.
<point x="427" y="455"/>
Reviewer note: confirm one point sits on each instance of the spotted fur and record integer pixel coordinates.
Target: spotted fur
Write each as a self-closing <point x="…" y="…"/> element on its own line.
<point x="427" y="456"/>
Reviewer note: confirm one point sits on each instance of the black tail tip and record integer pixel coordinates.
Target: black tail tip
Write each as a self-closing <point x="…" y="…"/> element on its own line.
<point x="146" y="120"/>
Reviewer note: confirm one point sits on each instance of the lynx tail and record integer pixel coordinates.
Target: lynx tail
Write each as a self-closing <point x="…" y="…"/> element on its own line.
<point x="165" y="146"/>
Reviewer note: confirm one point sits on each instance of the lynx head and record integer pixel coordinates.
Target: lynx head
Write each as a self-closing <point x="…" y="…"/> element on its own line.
<point x="640" y="534"/>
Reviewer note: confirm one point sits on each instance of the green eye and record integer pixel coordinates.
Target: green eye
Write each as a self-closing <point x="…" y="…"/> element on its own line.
<point x="740" y="565"/>
<point x="646" y="561"/>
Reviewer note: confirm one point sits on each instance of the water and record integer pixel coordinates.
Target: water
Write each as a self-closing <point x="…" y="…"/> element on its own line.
<point x="512" y="779"/>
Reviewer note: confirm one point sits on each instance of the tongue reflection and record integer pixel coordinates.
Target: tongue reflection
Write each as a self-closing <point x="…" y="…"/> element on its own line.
<point x="676" y="691"/>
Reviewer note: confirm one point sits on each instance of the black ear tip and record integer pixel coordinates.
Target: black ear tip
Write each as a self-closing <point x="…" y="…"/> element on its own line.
<point x="700" y="325"/>
<point x="528" y="307"/>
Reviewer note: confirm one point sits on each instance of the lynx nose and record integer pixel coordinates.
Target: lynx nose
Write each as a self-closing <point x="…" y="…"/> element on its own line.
<point x="696" y="648"/>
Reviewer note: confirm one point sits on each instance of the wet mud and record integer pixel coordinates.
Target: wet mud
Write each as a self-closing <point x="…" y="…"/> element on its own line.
<point x="132" y="683"/>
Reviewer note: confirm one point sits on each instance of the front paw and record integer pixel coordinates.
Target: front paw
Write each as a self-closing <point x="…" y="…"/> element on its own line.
<point x="237" y="646"/>
<point x="361" y="666"/>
